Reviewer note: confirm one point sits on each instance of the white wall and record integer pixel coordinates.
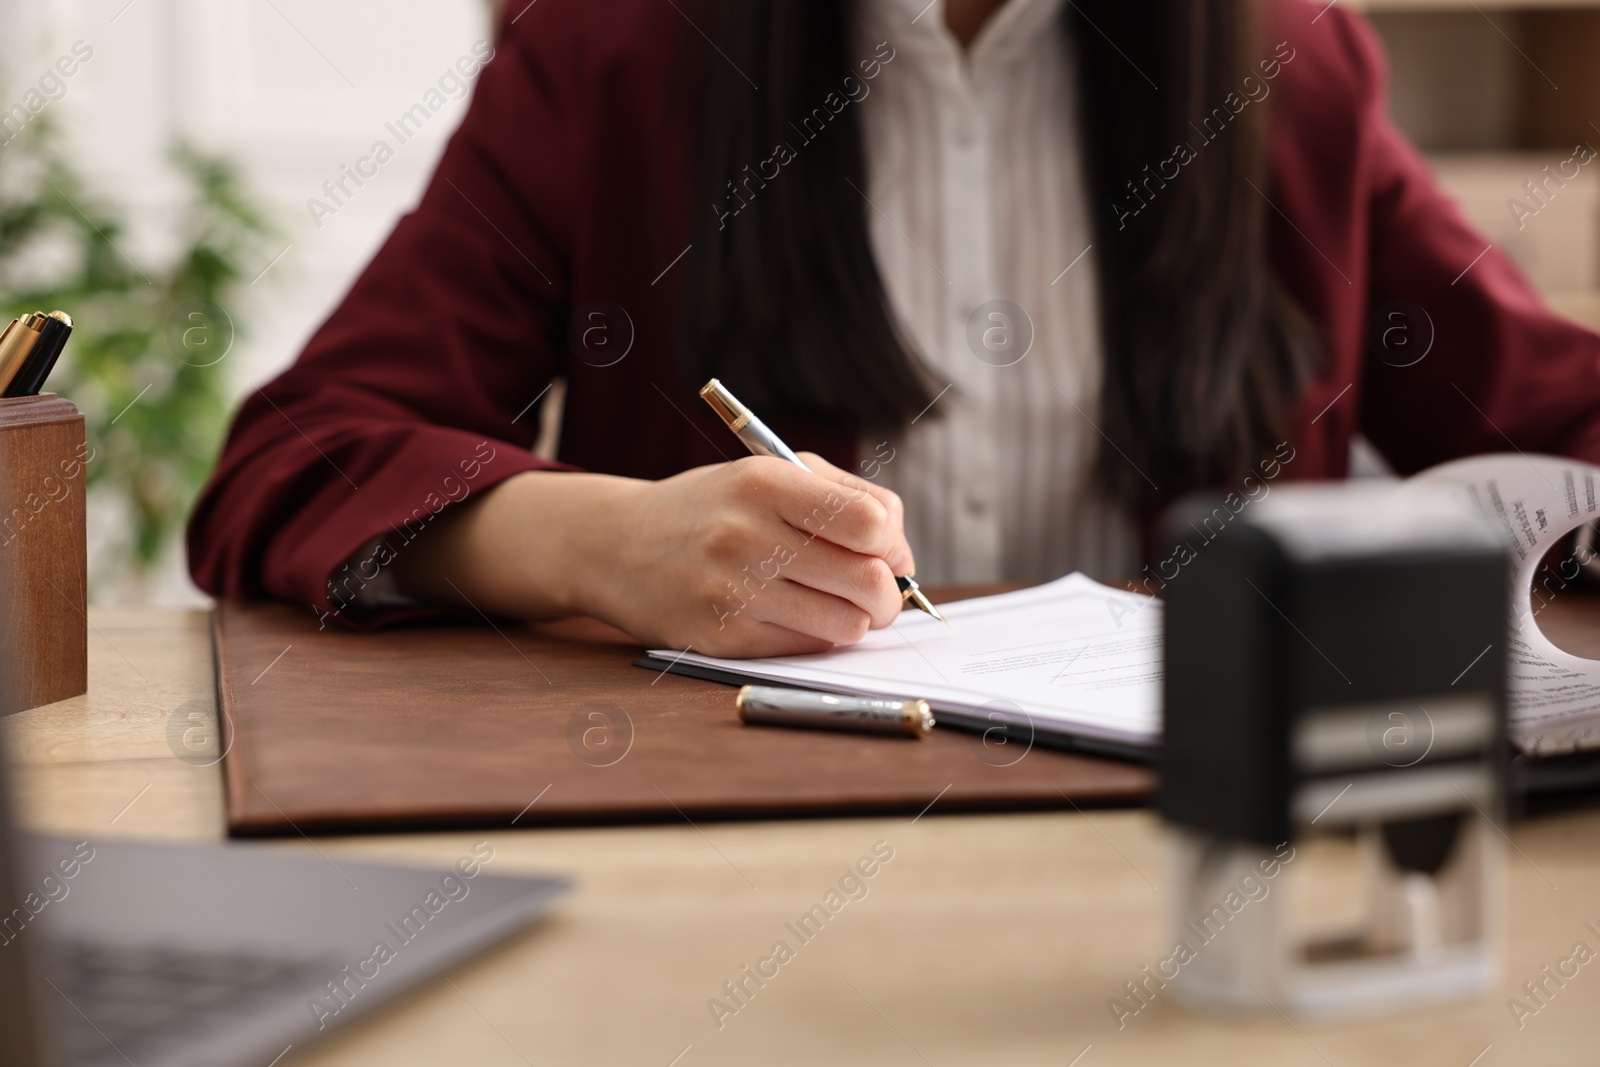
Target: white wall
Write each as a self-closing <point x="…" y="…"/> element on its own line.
<point x="290" y="90"/>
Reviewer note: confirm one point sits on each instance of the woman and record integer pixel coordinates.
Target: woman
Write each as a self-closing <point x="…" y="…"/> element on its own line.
<point x="1017" y="274"/>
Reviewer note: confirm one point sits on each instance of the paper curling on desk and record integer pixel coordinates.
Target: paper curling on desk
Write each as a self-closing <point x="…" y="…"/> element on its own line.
<point x="1553" y="698"/>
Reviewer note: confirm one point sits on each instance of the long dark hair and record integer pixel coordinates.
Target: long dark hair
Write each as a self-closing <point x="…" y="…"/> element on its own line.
<point x="1204" y="352"/>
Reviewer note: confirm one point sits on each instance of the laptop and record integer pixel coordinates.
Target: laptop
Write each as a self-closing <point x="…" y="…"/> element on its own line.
<point x="224" y="955"/>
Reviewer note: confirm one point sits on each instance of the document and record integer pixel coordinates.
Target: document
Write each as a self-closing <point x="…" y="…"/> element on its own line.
<point x="1078" y="658"/>
<point x="1068" y="657"/>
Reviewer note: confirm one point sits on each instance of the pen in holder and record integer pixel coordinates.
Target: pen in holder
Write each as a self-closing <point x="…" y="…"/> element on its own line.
<point x="43" y="551"/>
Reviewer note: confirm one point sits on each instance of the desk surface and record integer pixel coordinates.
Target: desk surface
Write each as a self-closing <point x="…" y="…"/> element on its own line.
<point x="986" y="939"/>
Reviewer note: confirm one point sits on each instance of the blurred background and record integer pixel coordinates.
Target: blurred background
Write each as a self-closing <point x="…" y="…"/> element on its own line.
<point x="175" y="173"/>
<point x="169" y="193"/>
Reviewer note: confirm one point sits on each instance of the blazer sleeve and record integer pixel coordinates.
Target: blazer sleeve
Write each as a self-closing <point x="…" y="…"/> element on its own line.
<point x="420" y="391"/>
<point x="1501" y="371"/>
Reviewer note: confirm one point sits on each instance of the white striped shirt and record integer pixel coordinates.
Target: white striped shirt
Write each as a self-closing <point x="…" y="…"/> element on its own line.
<point x="977" y="194"/>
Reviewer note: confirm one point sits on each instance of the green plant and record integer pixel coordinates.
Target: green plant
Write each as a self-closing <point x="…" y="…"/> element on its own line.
<point x="146" y="358"/>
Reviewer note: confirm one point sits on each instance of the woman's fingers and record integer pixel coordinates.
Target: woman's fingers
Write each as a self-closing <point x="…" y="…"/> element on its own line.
<point x="761" y="639"/>
<point x="809" y="621"/>
<point x="899" y="558"/>
<point x="818" y="507"/>
<point x="757" y="557"/>
<point x="864" y="581"/>
<point x="809" y="611"/>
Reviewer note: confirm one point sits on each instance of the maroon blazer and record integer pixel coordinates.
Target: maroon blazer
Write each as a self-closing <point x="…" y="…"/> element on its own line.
<point x="567" y="189"/>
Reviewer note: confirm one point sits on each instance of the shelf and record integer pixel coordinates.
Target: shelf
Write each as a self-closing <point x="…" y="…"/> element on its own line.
<point x="1504" y="74"/>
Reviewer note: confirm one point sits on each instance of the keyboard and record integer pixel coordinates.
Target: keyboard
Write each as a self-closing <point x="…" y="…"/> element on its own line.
<point x="116" y="1003"/>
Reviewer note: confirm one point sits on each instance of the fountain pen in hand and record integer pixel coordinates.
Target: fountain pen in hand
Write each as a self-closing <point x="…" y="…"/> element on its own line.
<point x="763" y="442"/>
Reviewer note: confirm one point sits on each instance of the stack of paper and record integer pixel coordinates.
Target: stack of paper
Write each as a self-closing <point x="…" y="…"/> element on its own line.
<point x="1070" y="659"/>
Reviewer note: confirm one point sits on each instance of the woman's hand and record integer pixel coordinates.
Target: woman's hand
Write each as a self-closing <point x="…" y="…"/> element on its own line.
<point x="750" y="558"/>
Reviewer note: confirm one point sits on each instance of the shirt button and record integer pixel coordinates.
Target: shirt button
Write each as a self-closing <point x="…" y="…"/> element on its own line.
<point x="977" y="505"/>
<point x="966" y="132"/>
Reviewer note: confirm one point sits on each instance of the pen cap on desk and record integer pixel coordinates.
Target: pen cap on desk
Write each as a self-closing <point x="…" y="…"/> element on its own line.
<point x="1335" y="666"/>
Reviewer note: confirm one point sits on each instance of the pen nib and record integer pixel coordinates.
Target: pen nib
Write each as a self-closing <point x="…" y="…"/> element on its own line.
<point x="910" y="590"/>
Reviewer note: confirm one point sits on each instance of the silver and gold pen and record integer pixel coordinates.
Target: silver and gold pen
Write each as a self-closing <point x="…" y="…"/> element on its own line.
<point x="763" y="442"/>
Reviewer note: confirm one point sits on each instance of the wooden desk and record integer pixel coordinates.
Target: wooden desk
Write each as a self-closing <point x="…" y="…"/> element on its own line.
<point x="986" y="940"/>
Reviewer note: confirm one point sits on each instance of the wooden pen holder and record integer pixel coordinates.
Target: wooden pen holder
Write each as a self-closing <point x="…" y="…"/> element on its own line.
<point x="44" y="627"/>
